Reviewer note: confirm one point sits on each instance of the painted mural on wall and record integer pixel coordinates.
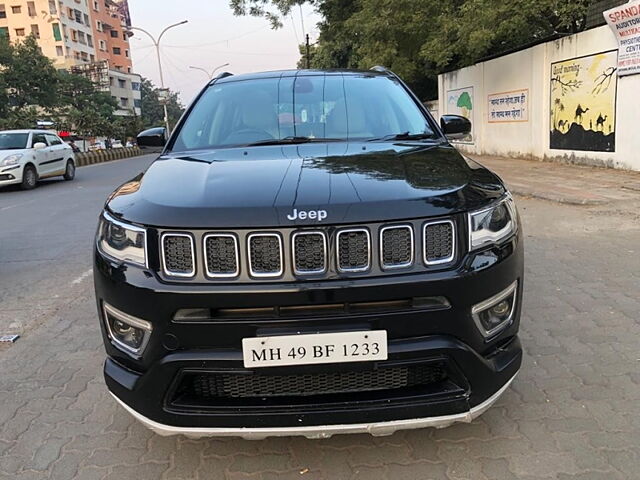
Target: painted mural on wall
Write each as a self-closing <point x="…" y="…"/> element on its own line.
<point x="460" y="102"/>
<point x="508" y="107"/>
<point x="583" y="103"/>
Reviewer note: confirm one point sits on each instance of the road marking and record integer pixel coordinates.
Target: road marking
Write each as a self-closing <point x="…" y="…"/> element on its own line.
<point x="82" y="277"/>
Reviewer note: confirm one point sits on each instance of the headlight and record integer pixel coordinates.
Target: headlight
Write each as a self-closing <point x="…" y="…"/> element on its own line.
<point x="493" y="224"/>
<point x="12" y="159"/>
<point x="121" y="241"/>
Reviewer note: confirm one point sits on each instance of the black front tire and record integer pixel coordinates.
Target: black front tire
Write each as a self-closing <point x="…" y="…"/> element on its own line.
<point x="29" y="178"/>
<point x="70" y="171"/>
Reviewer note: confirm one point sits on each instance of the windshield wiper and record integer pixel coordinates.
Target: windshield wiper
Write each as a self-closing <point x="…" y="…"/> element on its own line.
<point x="292" y="141"/>
<point x="404" y="136"/>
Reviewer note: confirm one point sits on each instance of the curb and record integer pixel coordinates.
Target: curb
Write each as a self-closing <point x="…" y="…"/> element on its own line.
<point x="102" y="156"/>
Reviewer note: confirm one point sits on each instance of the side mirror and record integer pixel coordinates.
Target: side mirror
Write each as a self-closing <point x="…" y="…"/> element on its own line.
<point x="39" y="146"/>
<point x="455" y="126"/>
<point x="153" y="140"/>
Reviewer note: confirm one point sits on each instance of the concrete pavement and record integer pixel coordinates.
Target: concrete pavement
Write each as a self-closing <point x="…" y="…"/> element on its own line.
<point x="571" y="413"/>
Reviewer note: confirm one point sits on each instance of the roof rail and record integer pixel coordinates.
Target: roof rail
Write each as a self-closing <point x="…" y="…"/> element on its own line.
<point x="380" y="68"/>
<point x="221" y="76"/>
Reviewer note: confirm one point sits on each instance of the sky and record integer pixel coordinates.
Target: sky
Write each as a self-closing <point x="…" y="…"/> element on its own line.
<point x="212" y="37"/>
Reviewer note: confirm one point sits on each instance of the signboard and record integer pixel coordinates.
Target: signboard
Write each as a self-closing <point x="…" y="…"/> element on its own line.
<point x="510" y="106"/>
<point x="582" y="107"/>
<point x="625" y="23"/>
<point x="460" y="102"/>
<point x="163" y="96"/>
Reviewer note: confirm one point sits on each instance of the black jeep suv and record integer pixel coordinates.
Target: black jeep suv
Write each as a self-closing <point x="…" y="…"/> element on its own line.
<point x="309" y="256"/>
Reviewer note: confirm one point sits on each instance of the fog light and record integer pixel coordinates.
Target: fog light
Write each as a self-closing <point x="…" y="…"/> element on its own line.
<point x="496" y="313"/>
<point x="126" y="332"/>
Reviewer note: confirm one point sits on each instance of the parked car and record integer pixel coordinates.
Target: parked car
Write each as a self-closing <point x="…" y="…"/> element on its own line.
<point x="117" y="144"/>
<point x="97" y="146"/>
<point x="339" y="269"/>
<point x="30" y="155"/>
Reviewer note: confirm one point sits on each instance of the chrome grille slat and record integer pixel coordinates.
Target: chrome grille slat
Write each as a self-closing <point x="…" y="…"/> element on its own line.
<point x="221" y="255"/>
<point x="265" y="255"/>
<point x="396" y="246"/>
<point x="353" y="250"/>
<point x="309" y="253"/>
<point x="439" y="242"/>
<point x="178" y="256"/>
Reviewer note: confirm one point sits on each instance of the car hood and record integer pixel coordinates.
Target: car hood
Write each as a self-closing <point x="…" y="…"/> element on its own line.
<point x="269" y="186"/>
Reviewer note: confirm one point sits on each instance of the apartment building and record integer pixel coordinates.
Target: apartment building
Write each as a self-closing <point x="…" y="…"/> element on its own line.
<point x="84" y="36"/>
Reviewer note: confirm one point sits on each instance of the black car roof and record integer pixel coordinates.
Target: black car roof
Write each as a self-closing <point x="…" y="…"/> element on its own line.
<point x="300" y="73"/>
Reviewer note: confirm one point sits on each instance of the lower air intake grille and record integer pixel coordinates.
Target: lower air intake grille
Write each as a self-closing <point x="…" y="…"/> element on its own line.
<point x="439" y="242"/>
<point x="222" y="255"/>
<point x="265" y="255"/>
<point x="354" y="250"/>
<point x="310" y="252"/>
<point x="397" y="246"/>
<point x="178" y="256"/>
<point x="213" y="385"/>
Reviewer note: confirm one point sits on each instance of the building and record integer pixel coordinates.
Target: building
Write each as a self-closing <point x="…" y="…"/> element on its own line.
<point x="87" y="37"/>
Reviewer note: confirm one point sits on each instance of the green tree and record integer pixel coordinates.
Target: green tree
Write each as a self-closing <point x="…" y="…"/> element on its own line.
<point x="152" y="110"/>
<point x="420" y="38"/>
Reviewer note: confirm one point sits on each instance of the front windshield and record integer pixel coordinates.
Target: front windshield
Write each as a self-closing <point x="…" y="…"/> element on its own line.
<point x="13" y="141"/>
<point x="337" y="107"/>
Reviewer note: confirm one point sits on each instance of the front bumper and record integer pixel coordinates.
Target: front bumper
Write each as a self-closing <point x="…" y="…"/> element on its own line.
<point x="11" y="175"/>
<point x="478" y="371"/>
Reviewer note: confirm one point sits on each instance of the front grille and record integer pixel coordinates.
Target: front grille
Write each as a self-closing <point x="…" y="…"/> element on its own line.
<point x="439" y="242"/>
<point x="265" y="255"/>
<point x="178" y="256"/>
<point x="309" y="252"/>
<point x="354" y="250"/>
<point x="210" y="386"/>
<point x="221" y="252"/>
<point x="397" y="246"/>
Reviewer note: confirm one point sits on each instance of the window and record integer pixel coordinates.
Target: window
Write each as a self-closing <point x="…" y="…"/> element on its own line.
<point x="89" y="40"/>
<point x="92" y="58"/>
<point x="31" y="7"/>
<point x="319" y="106"/>
<point x="52" y="7"/>
<point x="137" y="103"/>
<point x="126" y="53"/>
<point x="122" y="83"/>
<point x="81" y="38"/>
<point x="38" y="138"/>
<point x="114" y="34"/>
<point x="56" y="32"/>
<point x="99" y="25"/>
<point x="59" y="51"/>
<point x="124" y="102"/>
<point x="78" y="16"/>
<point x="3" y="12"/>
<point x="70" y="13"/>
<point x="16" y="9"/>
<point x="125" y="36"/>
<point x="116" y="50"/>
<point x="74" y="35"/>
<point x="128" y="69"/>
<point x="118" y="68"/>
<point x="53" y="139"/>
<point x="86" y="20"/>
<point x="135" y="86"/>
<point x="20" y="32"/>
<point x="103" y="45"/>
<point x="4" y="32"/>
<point x="84" y="56"/>
<point x="35" y="30"/>
<point x="111" y="81"/>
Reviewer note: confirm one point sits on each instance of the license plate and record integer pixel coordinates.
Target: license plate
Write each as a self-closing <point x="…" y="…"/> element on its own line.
<point x="315" y="348"/>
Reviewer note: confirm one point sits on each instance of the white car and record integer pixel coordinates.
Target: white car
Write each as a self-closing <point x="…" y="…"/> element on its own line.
<point x="27" y="156"/>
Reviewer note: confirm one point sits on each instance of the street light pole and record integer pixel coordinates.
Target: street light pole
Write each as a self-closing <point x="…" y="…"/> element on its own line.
<point x="157" y="45"/>
<point x="210" y="75"/>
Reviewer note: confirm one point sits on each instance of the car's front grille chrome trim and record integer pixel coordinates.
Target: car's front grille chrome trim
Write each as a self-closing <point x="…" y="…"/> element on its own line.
<point x="339" y="262"/>
<point x="207" y="255"/>
<point x="251" y="254"/>
<point x="440" y="260"/>
<point x="165" y="268"/>
<point x="406" y="264"/>
<point x="294" y="249"/>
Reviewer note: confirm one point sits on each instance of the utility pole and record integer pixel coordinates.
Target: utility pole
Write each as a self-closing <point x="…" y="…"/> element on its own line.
<point x="308" y="58"/>
<point x="157" y="45"/>
<point x="209" y="74"/>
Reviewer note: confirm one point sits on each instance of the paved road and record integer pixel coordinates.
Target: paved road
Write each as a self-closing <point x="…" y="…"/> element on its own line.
<point x="45" y="240"/>
<point x="571" y="414"/>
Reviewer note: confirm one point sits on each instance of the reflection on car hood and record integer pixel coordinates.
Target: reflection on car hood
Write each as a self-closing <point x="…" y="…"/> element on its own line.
<point x="261" y="186"/>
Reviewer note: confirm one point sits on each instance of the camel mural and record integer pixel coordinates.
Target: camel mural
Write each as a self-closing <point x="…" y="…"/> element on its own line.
<point x="583" y="98"/>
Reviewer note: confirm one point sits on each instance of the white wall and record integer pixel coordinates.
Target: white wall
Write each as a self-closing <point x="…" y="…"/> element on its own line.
<point x="531" y="69"/>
